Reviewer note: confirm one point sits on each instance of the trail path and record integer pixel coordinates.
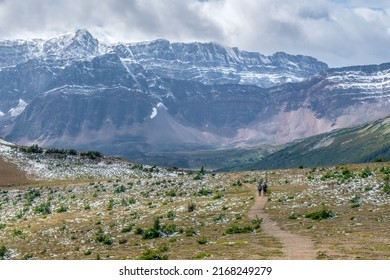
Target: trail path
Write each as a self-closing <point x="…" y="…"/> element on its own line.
<point x="295" y="247"/>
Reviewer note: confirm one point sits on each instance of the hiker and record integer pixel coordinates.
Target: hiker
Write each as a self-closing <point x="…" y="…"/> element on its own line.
<point x="265" y="187"/>
<point x="259" y="188"/>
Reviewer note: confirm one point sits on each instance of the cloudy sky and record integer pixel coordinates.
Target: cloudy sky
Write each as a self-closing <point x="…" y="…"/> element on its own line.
<point x="338" y="32"/>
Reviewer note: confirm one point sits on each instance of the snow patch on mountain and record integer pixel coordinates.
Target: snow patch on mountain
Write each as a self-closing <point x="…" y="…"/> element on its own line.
<point x="154" y="113"/>
<point x="3" y="142"/>
<point x="162" y="106"/>
<point x="323" y="143"/>
<point x="18" y="109"/>
<point x="155" y="110"/>
<point x="368" y="83"/>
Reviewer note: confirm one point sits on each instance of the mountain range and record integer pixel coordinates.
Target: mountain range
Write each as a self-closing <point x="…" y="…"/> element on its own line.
<point x="136" y="99"/>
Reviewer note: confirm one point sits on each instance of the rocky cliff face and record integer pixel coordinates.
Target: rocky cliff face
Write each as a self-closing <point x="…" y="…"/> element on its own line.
<point x="214" y="64"/>
<point x="75" y="91"/>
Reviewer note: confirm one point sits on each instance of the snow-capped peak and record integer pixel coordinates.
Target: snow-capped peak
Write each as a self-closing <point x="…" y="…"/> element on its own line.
<point x="79" y="45"/>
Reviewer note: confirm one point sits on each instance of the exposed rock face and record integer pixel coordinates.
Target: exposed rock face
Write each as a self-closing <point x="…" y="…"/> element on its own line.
<point x="75" y="91"/>
<point x="213" y="64"/>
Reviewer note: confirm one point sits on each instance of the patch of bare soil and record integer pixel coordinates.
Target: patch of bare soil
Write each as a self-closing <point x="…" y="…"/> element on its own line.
<point x="10" y="175"/>
<point x="294" y="247"/>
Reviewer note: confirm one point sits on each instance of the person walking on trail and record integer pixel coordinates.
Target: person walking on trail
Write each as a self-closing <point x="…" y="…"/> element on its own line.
<point x="260" y="188"/>
<point x="265" y="187"/>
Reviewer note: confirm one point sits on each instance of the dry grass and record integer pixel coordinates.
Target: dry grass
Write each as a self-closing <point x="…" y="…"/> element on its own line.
<point x="118" y="208"/>
<point x="359" y="229"/>
<point x="86" y="218"/>
<point x="10" y="174"/>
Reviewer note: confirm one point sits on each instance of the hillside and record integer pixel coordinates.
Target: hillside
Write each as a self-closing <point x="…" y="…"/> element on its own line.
<point x="87" y="206"/>
<point x="364" y="143"/>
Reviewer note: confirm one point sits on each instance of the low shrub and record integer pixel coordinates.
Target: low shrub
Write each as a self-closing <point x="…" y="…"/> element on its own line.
<point x="127" y="228"/>
<point x="237" y="184"/>
<point x="294" y="216"/>
<point x="355" y="201"/>
<point x="366" y="173"/>
<point x="257" y="222"/>
<point x="202" y="255"/>
<point x="191" y="206"/>
<point x="120" y="189"/>
<point x="28" y="256"/>
<point x="101" y="237"/>
<point x="219" y="218"/>
<point x="217" y="196"/>
<point x="386" y="188"/>
<point x="190" y="232"/>
<point x="34" y="149"/>
<point x="169" y="229"/>
<point x="32" y="194"/>
<point x="151" y="233"/>
<point x="235" y="229"/>
<point x="4" y="252"/>
<point x="204" y="192"/>
<point x="139" y="231"/>
<point x="122" y="241"/>
<point x="62" y="209"/>
<point x="18" y="233"/>
<point x="171" y="215"/>
<point x="110" y="204"/>
<point x="203" y="241"/>
<point x="43" y="208"/>
<point x="150" y="254"/>
<point x="92" y="154"/>
<point x="87" y="253"/>
<point x="171" y="193"/>
<point x="322" y="214"/>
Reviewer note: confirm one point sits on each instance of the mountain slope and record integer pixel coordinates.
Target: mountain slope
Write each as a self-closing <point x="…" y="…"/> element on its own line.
<point x="363" y="143"/>
<point x="146" y="98"/>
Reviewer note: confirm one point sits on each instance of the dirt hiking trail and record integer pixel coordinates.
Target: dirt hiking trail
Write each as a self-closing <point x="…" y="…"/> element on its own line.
<point x="295" y="247"/>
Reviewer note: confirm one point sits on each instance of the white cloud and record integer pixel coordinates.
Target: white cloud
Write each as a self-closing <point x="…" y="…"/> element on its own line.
<point x="339" y="32"/>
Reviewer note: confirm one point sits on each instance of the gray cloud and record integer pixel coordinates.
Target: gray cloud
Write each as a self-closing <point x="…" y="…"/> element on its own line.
<point x="337" y="32"/>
